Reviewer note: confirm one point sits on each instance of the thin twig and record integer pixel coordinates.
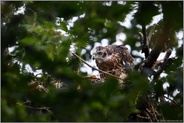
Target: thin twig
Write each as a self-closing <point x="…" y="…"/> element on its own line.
<point x="173" y="101"/>
<point x="94" y="67"/>
<point x="142" y="117"/>
<point x="40" y="108"/>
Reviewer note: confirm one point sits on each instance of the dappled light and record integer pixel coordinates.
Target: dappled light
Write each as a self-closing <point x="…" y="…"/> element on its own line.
<point x="50" y="65"/>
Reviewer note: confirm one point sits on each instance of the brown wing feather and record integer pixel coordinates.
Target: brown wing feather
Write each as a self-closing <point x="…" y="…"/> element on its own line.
<point x="127" y="60"/>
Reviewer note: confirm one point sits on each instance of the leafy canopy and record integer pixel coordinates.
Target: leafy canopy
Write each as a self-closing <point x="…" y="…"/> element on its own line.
<point x="42" y="37"/>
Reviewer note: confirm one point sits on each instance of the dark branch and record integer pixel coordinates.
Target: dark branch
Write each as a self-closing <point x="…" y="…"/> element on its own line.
<point x="162" y="67"/>
<point x="145" y="48"/>
<point x="146" y="67"/>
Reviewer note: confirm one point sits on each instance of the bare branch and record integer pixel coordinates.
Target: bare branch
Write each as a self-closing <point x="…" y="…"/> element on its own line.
<point x="40" y="108"/>
<point x="145" y="48"/>
<point x="173" y="101"/>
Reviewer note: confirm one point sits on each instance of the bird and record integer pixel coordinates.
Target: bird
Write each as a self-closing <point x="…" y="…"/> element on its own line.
<point x="114" y="59"/>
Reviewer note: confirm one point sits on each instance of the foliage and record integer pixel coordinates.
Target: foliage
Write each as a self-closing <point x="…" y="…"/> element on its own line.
<point x="62" y="92"/>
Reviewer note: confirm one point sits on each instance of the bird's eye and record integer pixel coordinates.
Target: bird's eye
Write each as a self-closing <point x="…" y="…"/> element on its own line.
<point x="104" y="54"/>
<point x="99" y="53"/>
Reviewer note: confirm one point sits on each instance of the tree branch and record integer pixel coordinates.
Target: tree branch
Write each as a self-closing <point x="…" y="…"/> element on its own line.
<point x="162" y="67"/>
<point x="145" y="48"/>
<point x="173" y="101"/>
<point x="40" y="108"/>
<point x="152" y="58"/>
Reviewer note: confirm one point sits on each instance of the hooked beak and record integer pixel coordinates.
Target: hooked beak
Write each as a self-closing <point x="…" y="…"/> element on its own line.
<point x="94" y="56"/>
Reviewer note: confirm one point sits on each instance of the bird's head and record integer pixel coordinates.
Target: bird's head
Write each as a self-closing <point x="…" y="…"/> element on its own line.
<point x="99" y="53"/>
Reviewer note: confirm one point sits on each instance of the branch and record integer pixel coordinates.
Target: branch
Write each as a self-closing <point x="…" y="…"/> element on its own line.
<point x="94" y="67"/>
<point x="152" y="58"/>
<point x="162" y="67"/>
<point x="173" y="101"/>
<point x="145" y="48"/>
<point x="37" y="108"/>
<point x="40" y="108"/>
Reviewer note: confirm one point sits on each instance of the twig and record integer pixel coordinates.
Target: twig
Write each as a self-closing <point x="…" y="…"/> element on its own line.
<point x="147" y="114"/>
<point x="151" y="32"/>
<point x="40" y="108"/>
<point x="94" y="67"/>
<point x="142" y="117"/>
<point x="173" y="101"/>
